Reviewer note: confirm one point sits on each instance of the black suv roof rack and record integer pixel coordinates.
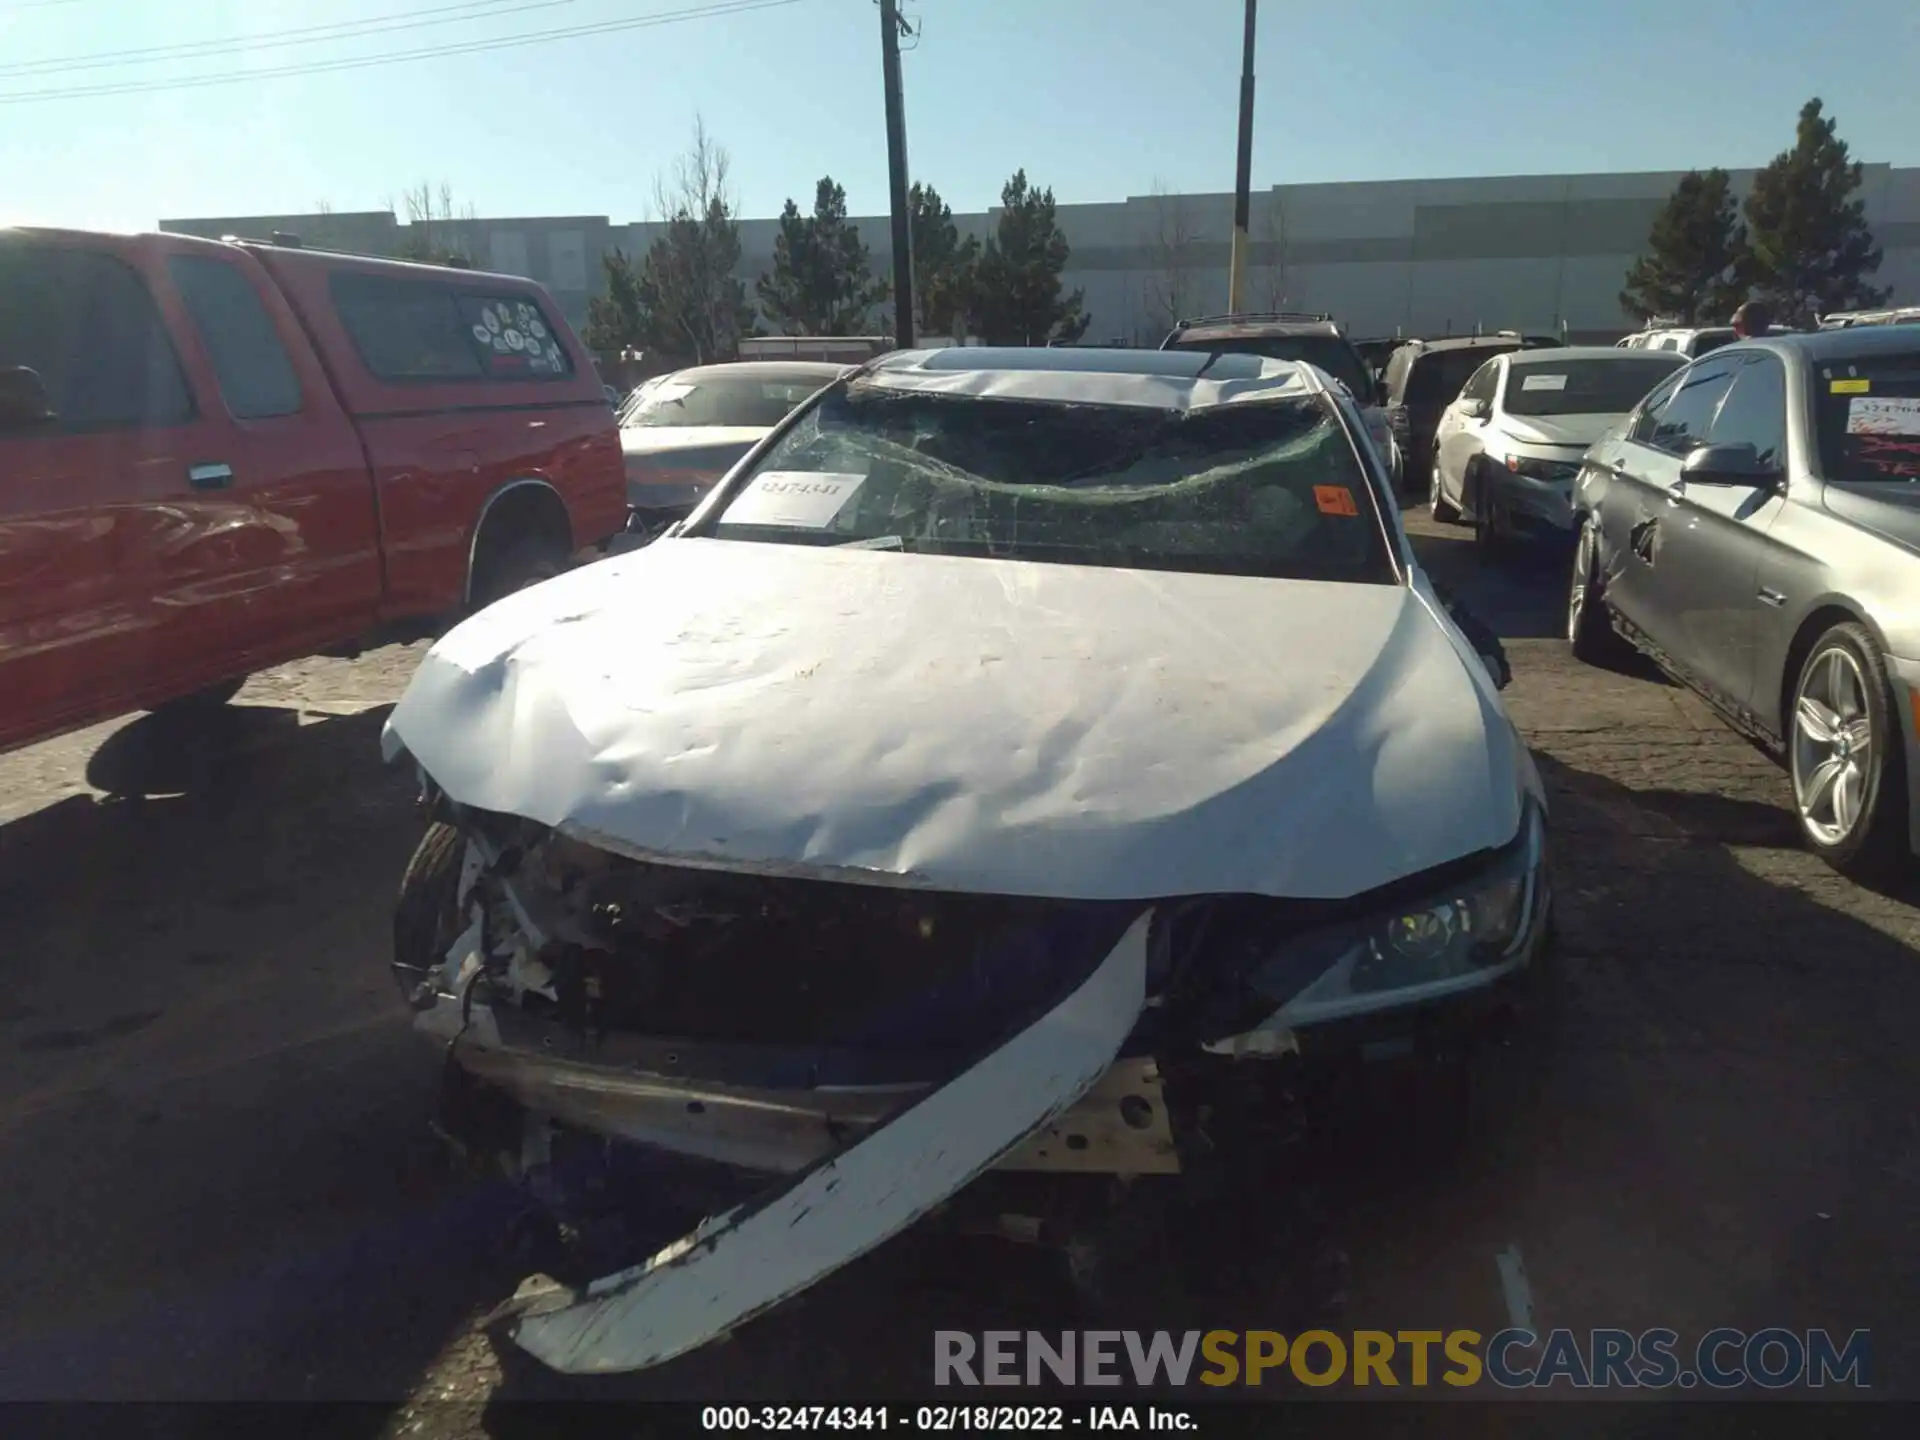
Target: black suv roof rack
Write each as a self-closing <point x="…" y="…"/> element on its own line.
<point x="1240" y="317"/>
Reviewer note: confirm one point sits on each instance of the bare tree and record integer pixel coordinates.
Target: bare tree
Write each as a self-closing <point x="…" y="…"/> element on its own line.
<point x="1173" y="243"/>
<point x="686" y="300"/>
<point x="1273" y="266"/>
<point x="440" y="230"/>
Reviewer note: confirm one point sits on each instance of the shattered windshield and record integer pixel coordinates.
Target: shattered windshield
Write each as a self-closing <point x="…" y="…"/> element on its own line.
<point x="1270" y="489"/>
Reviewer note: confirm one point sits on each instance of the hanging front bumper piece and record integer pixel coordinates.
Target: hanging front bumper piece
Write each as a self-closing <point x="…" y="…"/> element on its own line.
<point x="739" y="1264"/>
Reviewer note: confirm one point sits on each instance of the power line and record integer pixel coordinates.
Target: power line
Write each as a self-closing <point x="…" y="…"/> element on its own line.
<point x="280" y="39"/>
<point x="322" y="67"/>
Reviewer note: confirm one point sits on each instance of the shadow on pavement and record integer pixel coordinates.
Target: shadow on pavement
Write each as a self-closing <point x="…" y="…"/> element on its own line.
<point x="213" y="1118"/>
<point x="1711" y="1125"/>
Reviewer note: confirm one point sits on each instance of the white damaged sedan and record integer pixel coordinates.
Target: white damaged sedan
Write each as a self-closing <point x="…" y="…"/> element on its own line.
<point x="1015" y="755"/>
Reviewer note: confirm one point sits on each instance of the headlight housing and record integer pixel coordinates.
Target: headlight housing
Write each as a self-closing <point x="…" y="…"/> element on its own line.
<point x="1537" y="469"/>
<point x="1462" y="936"/>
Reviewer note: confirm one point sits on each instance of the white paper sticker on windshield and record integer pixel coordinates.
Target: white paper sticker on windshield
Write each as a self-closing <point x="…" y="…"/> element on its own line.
<point x="1543" y="382"/>
<point x="802" y="499"/>
<point x="1883" y="415"/>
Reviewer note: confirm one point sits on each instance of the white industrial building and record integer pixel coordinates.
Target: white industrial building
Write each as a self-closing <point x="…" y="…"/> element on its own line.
<point x="1528" y="252"/>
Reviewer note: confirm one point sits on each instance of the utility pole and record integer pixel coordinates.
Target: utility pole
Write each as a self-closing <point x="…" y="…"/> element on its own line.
<point x="1242" y="172"/>
<point x="890" y="27"/>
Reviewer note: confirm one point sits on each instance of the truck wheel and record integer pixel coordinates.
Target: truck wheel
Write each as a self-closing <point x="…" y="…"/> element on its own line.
<point x="425" y="913"/>
<point x="514" y="566"/>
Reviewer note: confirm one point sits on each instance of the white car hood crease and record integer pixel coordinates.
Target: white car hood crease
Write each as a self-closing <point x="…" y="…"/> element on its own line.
<point x="974" y="725"/>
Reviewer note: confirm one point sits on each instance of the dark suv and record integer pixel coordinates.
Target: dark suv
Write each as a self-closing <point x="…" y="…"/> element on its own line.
<point x="1311" y="339"/>
<point x="1422" y="379"/>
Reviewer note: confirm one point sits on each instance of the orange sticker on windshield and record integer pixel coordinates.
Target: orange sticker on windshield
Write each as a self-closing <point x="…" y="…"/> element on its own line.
<point x="1334" y="500"/>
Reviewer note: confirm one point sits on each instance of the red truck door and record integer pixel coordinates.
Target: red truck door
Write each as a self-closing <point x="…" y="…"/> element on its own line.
<point x="286" y="527"/>
<point x="88" y="497"/>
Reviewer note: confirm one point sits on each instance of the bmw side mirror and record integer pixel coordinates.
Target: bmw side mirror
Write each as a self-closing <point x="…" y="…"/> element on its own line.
<point x="1734" y="463"/>
<point x="23" y="399"/>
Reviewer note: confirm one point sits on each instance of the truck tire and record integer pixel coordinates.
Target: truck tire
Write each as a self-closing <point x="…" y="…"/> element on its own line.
<point x="424" y="914"/>
<point x="513" y="566"/>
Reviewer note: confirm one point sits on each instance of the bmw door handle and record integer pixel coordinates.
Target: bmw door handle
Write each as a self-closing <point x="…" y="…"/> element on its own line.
<point x="216" y="476"/>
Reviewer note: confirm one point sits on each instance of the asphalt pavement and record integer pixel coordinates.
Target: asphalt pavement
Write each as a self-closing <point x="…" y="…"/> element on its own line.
<point x="220" y="1182"/>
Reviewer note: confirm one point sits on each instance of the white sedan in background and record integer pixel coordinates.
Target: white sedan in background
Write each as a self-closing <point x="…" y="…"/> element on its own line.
<point x="1507" y="450"/>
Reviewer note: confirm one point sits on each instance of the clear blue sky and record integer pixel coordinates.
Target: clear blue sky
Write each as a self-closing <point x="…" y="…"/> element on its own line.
<point x="1097" y="98"/>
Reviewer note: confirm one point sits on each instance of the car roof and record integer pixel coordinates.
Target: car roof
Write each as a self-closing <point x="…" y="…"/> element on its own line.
<point x="1251" y="327"/>
<point x="1464" y="342"/>
<point x="1160" y="379"/>
<point x="1848" y="341"/>
<point x="1560" y="354"/>
<point x="770" y="371"/>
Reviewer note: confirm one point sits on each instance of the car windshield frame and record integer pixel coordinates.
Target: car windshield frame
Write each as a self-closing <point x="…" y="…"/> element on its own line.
<point x="1656" y="365"/>
<point x="709" y="402"/>
<point x="1351" y="369"/>
<point x="1859" y="438"/>
<point x="862" y="422"/>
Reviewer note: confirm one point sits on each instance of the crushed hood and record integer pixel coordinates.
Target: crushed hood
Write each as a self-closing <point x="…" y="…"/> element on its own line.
<point x="978" y="725"/>
<point x="1563" y="430"/>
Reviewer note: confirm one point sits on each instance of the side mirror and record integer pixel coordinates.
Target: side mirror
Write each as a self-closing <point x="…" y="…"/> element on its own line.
<point x="23" y="399"/>
<point x="1737" y="463"/>
<point x="1475" y="409"/>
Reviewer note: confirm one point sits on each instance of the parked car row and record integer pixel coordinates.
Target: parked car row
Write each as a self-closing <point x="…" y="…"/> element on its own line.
<point x="1507" y="449"/>
<point x="216" y="457"/>
<point x="1752" y="527"/>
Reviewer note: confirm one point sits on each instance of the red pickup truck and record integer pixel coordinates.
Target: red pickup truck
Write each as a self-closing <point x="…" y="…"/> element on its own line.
<point x="219" y="456"/>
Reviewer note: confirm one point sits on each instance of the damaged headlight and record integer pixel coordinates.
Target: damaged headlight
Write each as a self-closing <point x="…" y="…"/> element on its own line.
<point x="1457" y="939"/>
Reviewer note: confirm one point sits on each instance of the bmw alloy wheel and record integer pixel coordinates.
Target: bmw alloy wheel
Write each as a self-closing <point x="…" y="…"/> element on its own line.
<point x="1832" y="746"/>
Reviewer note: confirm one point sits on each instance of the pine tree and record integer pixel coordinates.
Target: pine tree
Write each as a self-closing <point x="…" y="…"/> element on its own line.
<point x="1812" y="250"/>
<point x="943" y="263"/>
<point x="1017" y="297"/>
<point x="1691" y="271"/>
<point x="822" y="279"/>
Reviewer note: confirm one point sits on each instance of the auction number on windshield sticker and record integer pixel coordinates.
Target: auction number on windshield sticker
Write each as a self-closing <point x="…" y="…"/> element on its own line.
<point x="1543" y="382"/>
<point x="1883" y="415"/>
<point x="1334" y="500"/>
<point x="794" y="499"/>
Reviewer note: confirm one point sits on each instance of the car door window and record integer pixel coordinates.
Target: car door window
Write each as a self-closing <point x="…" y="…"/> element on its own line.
<point x="1480" y="385"/>
<point x="1647" y="413"/>
<point x="1755" y="411"/>
<point x="84" y="321"/>
<point x="254" y="372"/>
<point x="1681" y="425"/>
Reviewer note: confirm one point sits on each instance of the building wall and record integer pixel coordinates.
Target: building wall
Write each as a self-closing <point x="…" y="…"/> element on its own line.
<point x="1524" y="252"/>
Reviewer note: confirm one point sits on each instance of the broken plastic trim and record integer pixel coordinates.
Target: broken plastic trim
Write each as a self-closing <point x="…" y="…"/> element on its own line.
<point x="737" y="1265"/>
